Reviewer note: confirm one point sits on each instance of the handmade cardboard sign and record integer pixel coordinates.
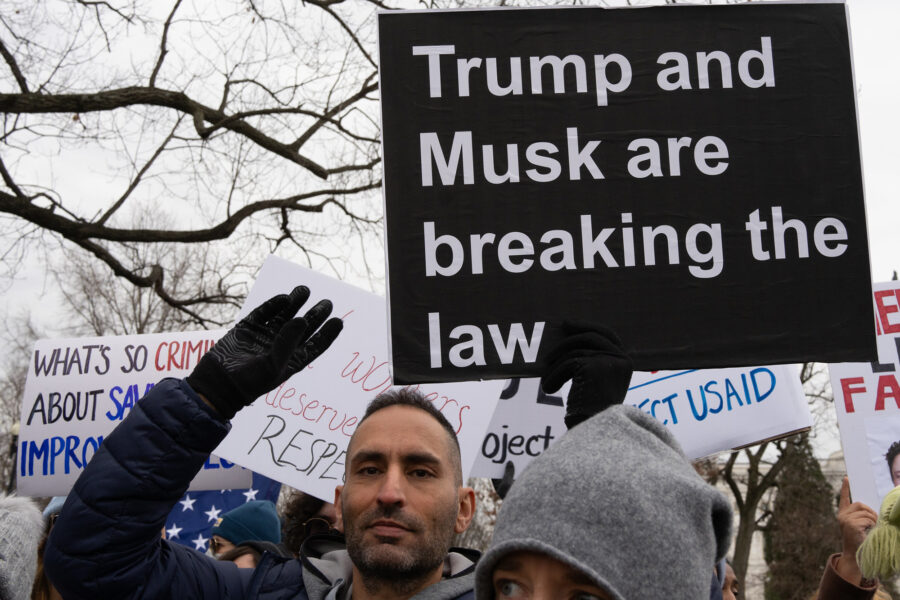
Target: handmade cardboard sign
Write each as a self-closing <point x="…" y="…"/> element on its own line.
<point x="79" y="389"/>
<point x="298" y="433"/>
<point x="706" y="410"/>
<point x="867" y="402"/>
<point x="687" y="175"/>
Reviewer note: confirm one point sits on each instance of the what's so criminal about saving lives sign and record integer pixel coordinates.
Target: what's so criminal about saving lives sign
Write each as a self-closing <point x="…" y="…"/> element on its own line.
<point x="687" y="175"/>
<point x="78" y="390"/>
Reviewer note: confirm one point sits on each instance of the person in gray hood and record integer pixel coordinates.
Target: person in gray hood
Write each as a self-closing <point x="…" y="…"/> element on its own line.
<point x="614" y="510"/>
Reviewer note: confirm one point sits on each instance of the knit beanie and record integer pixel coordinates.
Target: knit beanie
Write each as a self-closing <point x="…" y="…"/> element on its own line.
<point x="879" y="554"/>
<point x="617" y="500"/>
<point x="21" y="529"/>
<point x="254" y="520"/>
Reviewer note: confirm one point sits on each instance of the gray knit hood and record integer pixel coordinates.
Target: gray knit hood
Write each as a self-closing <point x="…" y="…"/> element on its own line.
<point x="616" y="499"/>
<point x="21" y="529"/>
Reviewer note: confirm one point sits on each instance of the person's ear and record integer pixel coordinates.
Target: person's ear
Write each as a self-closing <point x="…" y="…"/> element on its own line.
<point x="466" y="509"/>
<point x="338" y="513"/>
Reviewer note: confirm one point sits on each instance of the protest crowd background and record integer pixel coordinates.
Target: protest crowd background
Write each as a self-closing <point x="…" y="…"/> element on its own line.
<point x="259" y="125"/>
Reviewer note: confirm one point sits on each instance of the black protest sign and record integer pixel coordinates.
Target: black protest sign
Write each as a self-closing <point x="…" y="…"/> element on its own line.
<point x="688" y="176"/>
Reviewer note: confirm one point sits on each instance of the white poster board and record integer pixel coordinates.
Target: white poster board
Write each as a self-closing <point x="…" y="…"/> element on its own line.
<point x="707" y="411"/>
<point x="298" y="433"/>
<point x="867" y="402"/>
<point x="79" y="389"/>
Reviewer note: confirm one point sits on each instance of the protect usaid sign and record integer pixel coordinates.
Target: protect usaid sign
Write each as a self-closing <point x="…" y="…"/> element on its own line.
<point x="687" y="175"/>
<point x="79" y="389"/>
<point x="708" y="411"/>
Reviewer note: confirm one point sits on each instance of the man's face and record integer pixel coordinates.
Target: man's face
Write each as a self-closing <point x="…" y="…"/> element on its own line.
<point x="895" y="470"/>
<point x="534" y="576"/>
<point x="401" y="502"/>
<point x="730" y="587"/>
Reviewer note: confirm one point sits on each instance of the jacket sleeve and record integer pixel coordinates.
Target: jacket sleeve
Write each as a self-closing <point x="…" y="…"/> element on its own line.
<point x="106" y="542"/>
<point x="835" y="587"/>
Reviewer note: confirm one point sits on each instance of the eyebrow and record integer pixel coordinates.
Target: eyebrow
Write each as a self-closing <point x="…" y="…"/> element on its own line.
<point x="413" y="457"/>
<point x="366" y="456"/>
<point x="422" y="458"/>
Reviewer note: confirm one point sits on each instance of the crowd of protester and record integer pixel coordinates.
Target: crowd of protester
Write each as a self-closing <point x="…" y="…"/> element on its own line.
<point x="614" y="510"/>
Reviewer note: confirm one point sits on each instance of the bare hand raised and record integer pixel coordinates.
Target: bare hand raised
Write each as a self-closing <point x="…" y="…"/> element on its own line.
<point x="855" y="520"/>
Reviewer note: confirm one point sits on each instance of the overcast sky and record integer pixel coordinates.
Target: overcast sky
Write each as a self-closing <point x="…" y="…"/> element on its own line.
<point x="876" y="54"/>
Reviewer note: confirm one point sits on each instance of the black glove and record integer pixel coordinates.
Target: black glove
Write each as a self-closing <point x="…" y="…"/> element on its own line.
<point x="263" y="350"/>
<point x="595" y="360"/>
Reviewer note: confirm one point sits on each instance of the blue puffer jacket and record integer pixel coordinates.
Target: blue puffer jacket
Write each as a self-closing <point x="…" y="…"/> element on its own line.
<point x="106" y="542"/>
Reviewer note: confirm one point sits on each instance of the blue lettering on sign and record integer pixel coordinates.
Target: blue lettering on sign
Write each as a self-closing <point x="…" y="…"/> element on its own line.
<point x="125" y="400"/>
<point x="654" y="404"/>
<point x="223" y="464"/>
<point x="71" y="451"/>
<point x="760" y="397"/>
<point x="715" y="396"/>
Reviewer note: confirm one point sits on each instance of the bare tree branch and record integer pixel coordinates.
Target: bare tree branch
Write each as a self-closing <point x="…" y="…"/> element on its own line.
<point x="76" y="231"/>
<point x="10" y="183"/>
<point x="368" y="88"/>
<point x="106" y="100"/>
<point x="98" y="3"/>
<point x="728" y="474"/>
<point x="14" y="67"/>
<point x="137" y="178"/>
<point x="326" y="6"/>
<point x="154" y="281"/>
<point x="162" y="44"/>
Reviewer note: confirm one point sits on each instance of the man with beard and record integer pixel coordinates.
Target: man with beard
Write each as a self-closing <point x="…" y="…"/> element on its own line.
<point x="402" y="501"/>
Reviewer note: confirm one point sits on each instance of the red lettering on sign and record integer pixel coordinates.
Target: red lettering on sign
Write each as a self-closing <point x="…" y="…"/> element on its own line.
<point x="885" y="310"/>
<point x="156" y="363"/>
<point x="180" y="355"/>
<point x="887" y="388"/>
<point x="358" y="373"/>
<point x="848" y="391"/>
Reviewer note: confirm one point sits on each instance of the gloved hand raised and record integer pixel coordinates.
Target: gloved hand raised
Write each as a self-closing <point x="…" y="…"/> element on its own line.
<point x="593" y="357"/>
<point x="265" y="348"/>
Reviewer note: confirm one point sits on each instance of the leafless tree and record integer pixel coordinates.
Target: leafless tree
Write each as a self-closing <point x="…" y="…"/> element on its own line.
<point x="97" y="303"/>
<point x="802" y="532"/>
<point x="751" y="474"/>
<point x="251" y="119"/>
<point x="18" y="335"/>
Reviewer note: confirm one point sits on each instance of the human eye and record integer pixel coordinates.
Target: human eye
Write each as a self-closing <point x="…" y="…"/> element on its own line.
<point x="367" y="470"/>
<point x="585" y="596"/>
<point x="507" y="588"/>
<point x="421" y="473"/>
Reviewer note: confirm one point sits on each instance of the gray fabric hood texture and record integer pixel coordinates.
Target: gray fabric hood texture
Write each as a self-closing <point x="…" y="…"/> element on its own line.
<point x="616" y="499"/>
<point x="21" y="529"/>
